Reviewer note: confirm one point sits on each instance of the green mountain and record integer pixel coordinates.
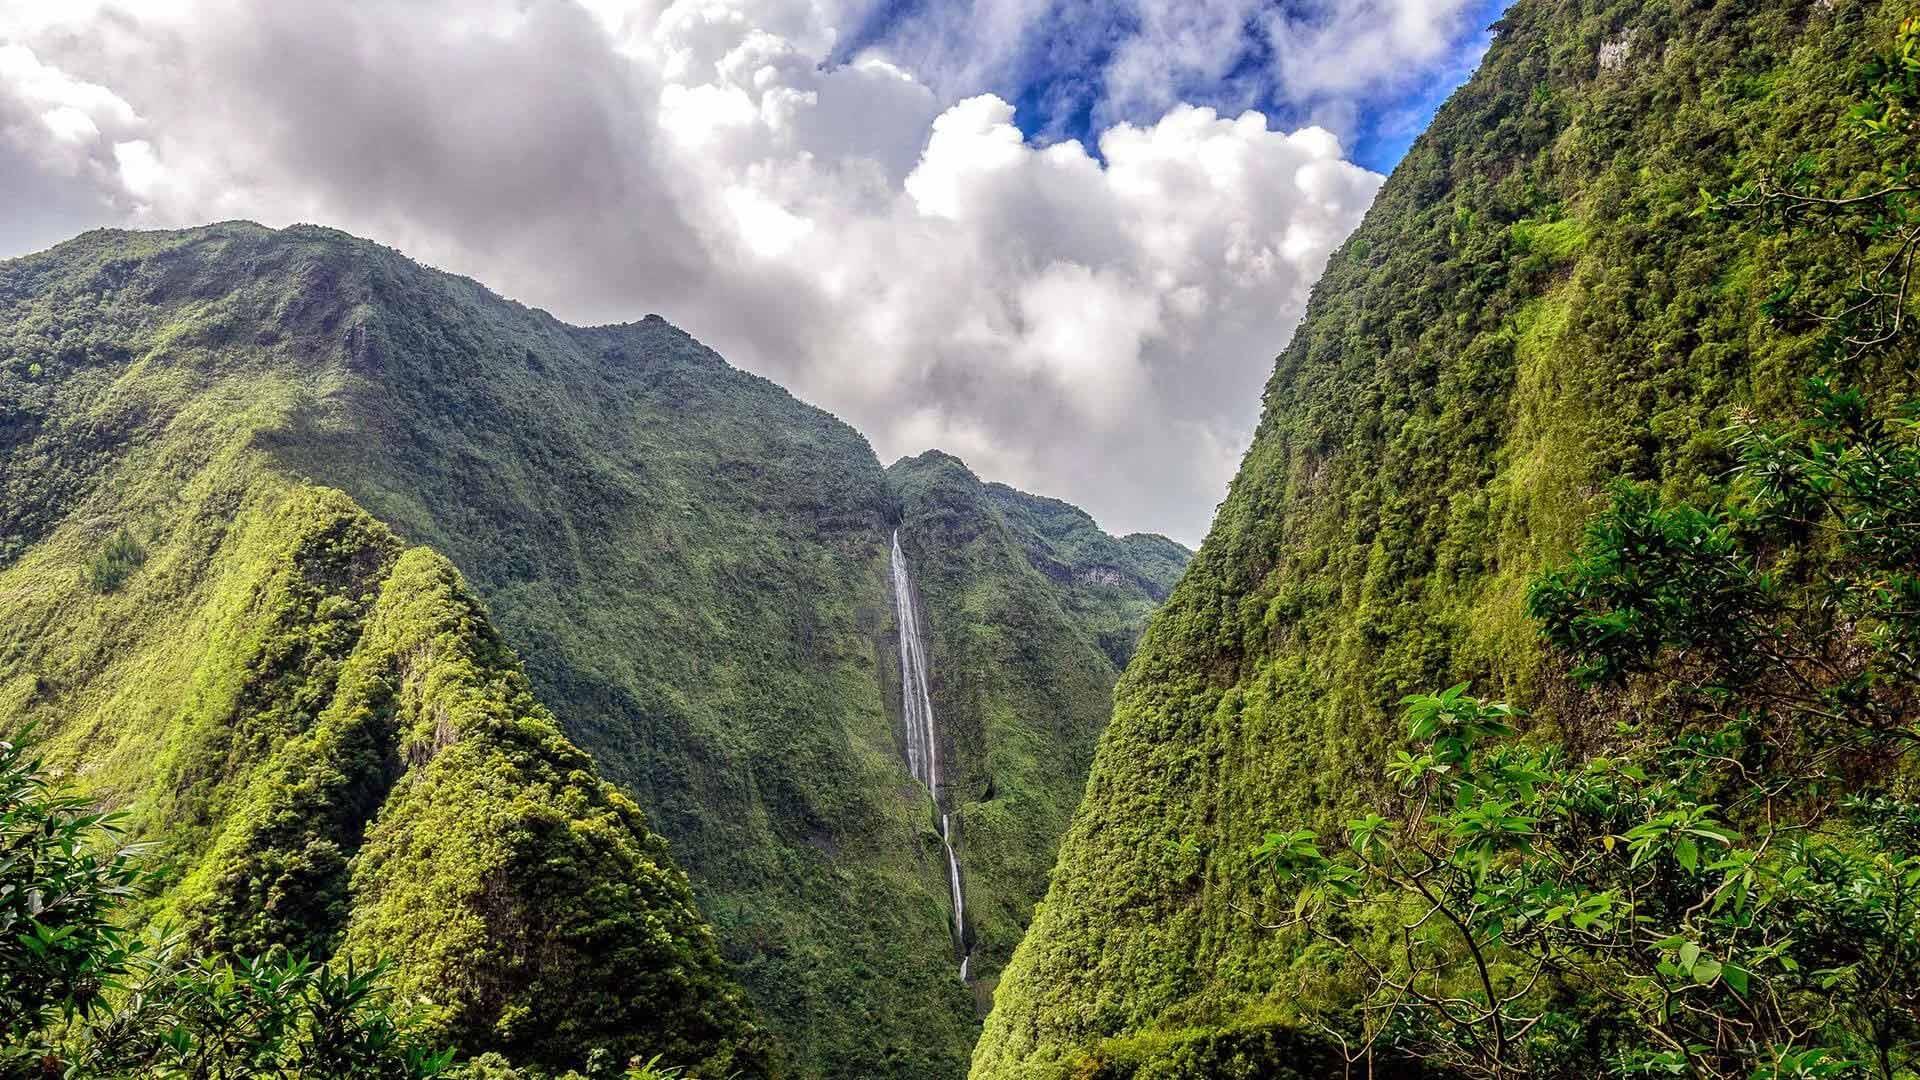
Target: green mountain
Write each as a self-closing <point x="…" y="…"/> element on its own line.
<point x="409" y="621"/>
<point x="1032" y="613"/>
<point x="1534" y="305"/>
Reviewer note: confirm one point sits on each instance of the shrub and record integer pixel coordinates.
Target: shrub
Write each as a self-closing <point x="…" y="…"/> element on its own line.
<point x="116" y="562"/>
<point x="82" y="996"/>
<point x="64" y="872"/>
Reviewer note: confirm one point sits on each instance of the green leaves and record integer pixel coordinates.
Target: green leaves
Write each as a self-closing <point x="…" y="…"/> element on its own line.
<point x="1678" y="832"/>
<point x="1812" y="1063"/>
<point x="77" y="988"/>
<point x="1454" y="722"/>
<point x="1649" y="579"/>
<point x="1294" y="858"/>
<point x="1369" y="836"/>
<point x="64" y="872"/>
<point x="1792" y="937"/>
<point x="1685" y="961"/>
<point x="1286" y="852"/>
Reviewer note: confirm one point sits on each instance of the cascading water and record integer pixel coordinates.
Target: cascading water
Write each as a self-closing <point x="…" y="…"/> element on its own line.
<point x="923" y="744"/>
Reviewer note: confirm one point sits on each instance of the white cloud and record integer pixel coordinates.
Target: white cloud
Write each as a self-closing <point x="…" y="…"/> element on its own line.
<point x="141" y="174"/>
<point x="71" y="113"/>
<point x="1096" y="328"/>
<point x="1353" y="44"/>
<point x="1134" y="59"/>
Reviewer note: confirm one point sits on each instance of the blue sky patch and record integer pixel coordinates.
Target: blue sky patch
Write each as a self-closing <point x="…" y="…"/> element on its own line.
<point x="1055" y="75"/>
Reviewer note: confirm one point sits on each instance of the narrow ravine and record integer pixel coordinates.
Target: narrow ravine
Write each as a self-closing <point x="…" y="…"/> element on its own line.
<point x="923" y="742"/>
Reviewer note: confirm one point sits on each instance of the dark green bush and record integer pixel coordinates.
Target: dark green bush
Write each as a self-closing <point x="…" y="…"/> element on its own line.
<point x="81" y="996"/>
<point x="122" y="555"/>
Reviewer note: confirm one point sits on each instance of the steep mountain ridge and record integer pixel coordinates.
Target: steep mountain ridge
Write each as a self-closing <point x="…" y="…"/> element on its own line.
<point x="283" y="686"/>
<point x="1533" y="306"/>
<point x="1111" y="583"/>
<point x="691" y="563"/>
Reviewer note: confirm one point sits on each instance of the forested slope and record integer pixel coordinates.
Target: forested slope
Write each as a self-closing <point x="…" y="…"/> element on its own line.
<point x="1032" y="612"/>
<point x="1534" y="306"/>
<point x="277" y="685"/>
<point x="238" y="470"/>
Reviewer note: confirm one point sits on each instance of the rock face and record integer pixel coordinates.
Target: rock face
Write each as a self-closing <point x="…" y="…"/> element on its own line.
<point x="1024" y="648"/>
<point x="1530" y="309"/>
<point x="652" y="582"/>
<point x="1615" y="53"/>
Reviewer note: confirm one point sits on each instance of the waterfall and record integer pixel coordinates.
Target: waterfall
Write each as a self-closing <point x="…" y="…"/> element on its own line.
<point x="923" y="743"/>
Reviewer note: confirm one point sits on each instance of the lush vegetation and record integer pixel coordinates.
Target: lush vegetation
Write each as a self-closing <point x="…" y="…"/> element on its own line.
<point x="86" y="997"/>
<point x="82" y="995"/>
<point x="1538" y="303"/>
<point x="1027" y="604"/>
<point x="1724" y="883"/>
<point x="349" y="702"/>
<point x="219" y="449"/>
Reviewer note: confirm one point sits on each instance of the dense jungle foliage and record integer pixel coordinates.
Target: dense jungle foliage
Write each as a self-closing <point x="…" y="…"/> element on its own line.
<point x="1540" y="301"/>
<point x="1722" y="885"/>
<point x="282" y="514"/>
<point x="85" y="997"/>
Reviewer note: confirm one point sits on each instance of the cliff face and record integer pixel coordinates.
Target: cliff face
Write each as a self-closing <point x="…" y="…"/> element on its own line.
<point x="1026" y="604"/>
<point x="1532" y="307"/>
<point x="365" y="493"/>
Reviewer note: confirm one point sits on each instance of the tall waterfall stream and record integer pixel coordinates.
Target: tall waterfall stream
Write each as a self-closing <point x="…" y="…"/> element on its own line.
<point x="923" y="743"/>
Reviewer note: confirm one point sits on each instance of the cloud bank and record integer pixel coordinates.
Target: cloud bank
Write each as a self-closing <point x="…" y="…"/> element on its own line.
<point x="1092" y="323"/>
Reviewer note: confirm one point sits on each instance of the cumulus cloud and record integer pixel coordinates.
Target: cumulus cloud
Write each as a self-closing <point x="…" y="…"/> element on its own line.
<point x="1089" y="322"/>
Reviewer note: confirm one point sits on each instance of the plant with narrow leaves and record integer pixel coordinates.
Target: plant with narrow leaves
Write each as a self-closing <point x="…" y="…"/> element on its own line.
<point x="82" y="996"/>
<point x="186" y="1015"/>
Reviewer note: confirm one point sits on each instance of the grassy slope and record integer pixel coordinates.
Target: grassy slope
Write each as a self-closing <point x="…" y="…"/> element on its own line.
<point x="691" y="563"/>
<point x="1529" y="309"/>
<point x="1023" y="598"/>
<point x="280" y="682"/>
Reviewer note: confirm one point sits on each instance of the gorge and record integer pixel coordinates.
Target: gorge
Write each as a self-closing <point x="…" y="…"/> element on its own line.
<point x="571" y="703"/>
<point x="691" y="567"/>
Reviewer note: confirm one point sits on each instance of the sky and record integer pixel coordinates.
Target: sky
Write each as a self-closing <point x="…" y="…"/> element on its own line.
<point x="1062" y="239"/>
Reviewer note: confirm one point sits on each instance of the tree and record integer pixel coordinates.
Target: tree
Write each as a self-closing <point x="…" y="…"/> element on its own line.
<point x="1727" y="882"/>
<point x="81" y="995"/>
<point x="1731" y="887"/>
